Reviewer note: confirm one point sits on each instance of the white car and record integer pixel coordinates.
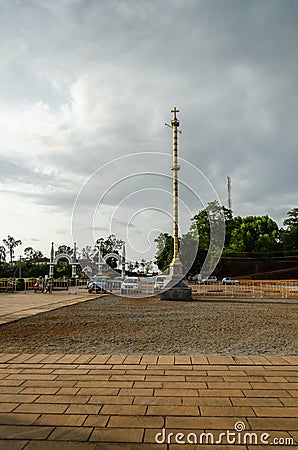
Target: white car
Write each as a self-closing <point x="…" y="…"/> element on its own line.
<point x="159" y="283"/>
<point x="131" y="285"/>
<point x="229" y="280"/>
<point x="208" y="280"/>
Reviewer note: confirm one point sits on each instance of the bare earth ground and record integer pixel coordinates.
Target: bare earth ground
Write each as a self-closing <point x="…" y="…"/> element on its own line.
<point x="114" y="325"/>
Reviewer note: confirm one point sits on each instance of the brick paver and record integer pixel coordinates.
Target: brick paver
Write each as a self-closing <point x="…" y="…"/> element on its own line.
<point x="23" y="304"/>
<point x="114" y="402"/>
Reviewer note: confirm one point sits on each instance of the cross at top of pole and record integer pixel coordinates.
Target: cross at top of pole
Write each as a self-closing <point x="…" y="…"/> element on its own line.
<point x="175" y="121"/>
<point x="175" y="110"/>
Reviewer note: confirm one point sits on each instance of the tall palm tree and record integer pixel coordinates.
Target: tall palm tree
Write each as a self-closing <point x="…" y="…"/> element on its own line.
<point x="11" y="243"/>
<point x="2" y="254"/>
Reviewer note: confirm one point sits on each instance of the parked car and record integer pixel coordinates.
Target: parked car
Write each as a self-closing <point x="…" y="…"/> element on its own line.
<point x="102" y="283"/>
<point x="159" y="283"/>
<point x="131" y="285"/>
<point x="208" y="280"/>
<point x="229" y="280"/>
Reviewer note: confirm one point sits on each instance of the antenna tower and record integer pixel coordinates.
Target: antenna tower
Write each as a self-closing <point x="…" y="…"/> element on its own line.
<point x="229" y="193"/>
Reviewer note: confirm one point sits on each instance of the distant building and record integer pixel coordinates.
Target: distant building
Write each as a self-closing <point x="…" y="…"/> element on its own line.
<point x="40" y="261"/>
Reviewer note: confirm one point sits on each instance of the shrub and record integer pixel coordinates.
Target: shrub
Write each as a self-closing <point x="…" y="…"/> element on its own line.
<point x="20" y="284"/>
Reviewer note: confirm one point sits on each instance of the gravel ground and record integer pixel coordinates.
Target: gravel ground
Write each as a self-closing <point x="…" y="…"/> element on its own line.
<point x="116" y="325"/>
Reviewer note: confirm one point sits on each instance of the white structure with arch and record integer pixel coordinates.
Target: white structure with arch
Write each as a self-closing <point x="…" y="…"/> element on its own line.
<point x="63" y="255"/>
<point x="72" y="260"/>
<point x="102" y="261"/>
<point x="112" y="255"/>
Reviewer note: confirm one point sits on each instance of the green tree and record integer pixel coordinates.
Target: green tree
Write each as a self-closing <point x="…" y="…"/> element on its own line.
<point x="64" y="249"/>
<point x="242" y="235"/>
<point x="143" y="264"/>
<point x="165" y="251"/>
<point x="2" y="254"/>
<point x="109" y="245"/>
<point x="63" y="268"/>
<point x="230" y="224"/>
<point x="86" y="252"/>
<point x="160" y="242"/>
<point x="200" y="229"/>
<point x="289" y="235"/>
<point x="212" y="219"/>
<point x="191" y="254"/>
<point x="11" y="243"/>
<point x="31" y="254"/>
<point x="31" y="270"/>
<point x="253" y="234"/>
<point x="130" y="266"/>
<point x="148" y="266"/>
<point x="292" y="220"/>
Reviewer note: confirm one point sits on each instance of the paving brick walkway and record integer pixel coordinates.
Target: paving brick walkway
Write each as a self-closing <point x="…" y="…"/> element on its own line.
<point x="16" y="306"/>
<point x="114" y="402"/>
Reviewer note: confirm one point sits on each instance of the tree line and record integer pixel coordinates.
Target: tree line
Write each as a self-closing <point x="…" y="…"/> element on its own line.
<point x="245" y="237"/>
<point x="33" y="263"/>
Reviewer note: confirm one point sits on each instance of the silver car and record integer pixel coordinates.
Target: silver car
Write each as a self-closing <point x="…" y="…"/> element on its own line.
<point x="229" y="280"/>
<point x="131" y="285"/>
<point x="208" y="280"/>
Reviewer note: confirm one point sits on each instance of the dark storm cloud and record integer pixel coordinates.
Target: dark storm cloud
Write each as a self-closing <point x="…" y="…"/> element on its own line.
<point x="115" y="70"/>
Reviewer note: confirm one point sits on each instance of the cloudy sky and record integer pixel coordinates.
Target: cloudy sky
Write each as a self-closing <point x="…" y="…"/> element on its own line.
<point x="86" y="87"/>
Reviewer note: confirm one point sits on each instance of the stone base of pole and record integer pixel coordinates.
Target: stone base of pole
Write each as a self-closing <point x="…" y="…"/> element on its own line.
<point x="177" y="288"/>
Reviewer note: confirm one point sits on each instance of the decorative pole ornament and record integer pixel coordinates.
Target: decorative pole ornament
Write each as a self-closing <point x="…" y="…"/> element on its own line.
<point x="74" y="261"/>
<point x="177" y="287"/>
<point x="100" y="263"/>
<point x="52" y="264"/>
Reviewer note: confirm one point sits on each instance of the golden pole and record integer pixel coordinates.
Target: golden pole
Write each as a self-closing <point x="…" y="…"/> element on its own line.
<point x="176" y="287"/>
<point x="175" y="168"/>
